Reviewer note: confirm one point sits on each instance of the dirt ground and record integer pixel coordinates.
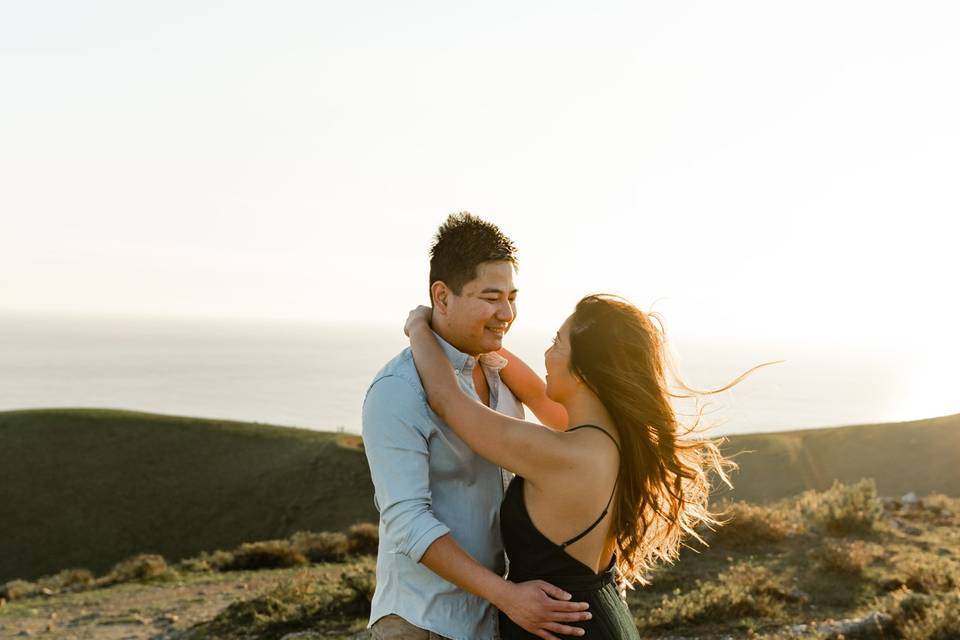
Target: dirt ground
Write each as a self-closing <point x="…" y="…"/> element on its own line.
<point x="138" y="611"/>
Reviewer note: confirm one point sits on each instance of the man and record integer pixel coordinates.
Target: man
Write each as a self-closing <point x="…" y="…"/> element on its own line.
<point x="440" y="562"/>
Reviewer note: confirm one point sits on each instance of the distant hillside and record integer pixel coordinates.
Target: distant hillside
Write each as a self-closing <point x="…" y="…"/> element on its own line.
<point x="87" y="488"/>
<point x="921" y="456"/>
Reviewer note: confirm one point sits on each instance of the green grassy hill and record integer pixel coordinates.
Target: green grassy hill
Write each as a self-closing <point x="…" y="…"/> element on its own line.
<point x="87" y="488"/>
<point x="921" y="456"/>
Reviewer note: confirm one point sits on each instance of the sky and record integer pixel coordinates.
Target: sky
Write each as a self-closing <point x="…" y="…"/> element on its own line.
<point x="751" y="170"/>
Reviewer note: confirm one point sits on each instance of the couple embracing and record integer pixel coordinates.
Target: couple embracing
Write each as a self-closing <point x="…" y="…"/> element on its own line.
<point x="496" y="527"/>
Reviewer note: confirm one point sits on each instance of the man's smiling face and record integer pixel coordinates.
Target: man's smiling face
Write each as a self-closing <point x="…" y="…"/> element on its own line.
<point x="482" y="314"/>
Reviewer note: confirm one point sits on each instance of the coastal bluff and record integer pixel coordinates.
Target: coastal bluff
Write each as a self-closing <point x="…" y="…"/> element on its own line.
<point x="88" y="487"/>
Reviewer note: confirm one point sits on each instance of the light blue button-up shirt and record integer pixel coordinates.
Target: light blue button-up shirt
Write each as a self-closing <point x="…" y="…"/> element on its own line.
<point x="429" y="483"/>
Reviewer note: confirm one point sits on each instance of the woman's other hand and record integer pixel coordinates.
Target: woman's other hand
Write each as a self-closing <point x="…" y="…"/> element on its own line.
<point x="418" y="315"/>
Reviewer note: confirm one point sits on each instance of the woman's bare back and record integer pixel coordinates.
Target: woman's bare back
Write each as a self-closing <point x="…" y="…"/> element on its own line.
<point x="567" y="503"/>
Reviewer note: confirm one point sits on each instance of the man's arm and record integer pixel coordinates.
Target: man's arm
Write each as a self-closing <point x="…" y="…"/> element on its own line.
<point x="397" y="450"/>
<point x="537" y="606"/>
<point x="395" y="443"/>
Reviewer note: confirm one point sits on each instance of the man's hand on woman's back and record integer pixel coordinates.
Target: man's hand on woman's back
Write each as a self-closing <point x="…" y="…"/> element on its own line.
<point x="542" y="609"/>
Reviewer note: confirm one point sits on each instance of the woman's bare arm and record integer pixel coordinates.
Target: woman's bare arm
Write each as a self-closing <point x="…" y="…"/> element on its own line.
<point x="527" y="386"/>
<point x="525" y="448"/>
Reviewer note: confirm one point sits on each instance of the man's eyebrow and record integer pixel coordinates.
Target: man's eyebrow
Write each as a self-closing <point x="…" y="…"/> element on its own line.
<point x="497" y="291"/>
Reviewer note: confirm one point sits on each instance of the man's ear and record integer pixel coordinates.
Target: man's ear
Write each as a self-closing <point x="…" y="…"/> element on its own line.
<point x="440" y="293"/>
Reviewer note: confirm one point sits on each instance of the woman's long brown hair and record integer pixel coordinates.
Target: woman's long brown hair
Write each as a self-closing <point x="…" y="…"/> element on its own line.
<point x="664" y="480"/>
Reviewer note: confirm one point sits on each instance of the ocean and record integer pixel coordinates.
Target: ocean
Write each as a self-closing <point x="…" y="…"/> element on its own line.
<point x="315" y="376"/>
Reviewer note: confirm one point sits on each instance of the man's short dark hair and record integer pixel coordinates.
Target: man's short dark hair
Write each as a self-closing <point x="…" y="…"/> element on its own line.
<point x="462" y="242"/>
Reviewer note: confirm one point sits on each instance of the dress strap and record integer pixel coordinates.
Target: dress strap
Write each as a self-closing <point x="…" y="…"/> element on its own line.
<point x="605" y="432"/>
<point x="606" y="508"/>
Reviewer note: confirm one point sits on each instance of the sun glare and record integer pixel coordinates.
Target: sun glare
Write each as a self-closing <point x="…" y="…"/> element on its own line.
<point x="928" y="388"/>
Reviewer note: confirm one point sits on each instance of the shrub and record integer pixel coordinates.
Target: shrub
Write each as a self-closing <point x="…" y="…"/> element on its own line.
<point x="68" y="580"/>
<point x="918" y="616"/>
<point x="141" y="567"/>
<point x="928" y="575"/>
<point x="207" y="561"/>
<point x="363" y="539"/>
<point x="361" y="582"/>
<point x="939" y="509"/>
<point x="268" y="554"/>
<point x="749" y="524"/>
<point x="843" y="509"/>
<point x="848" y="557"/>
<point x="16" y="589"/>
<point x="321" y="547"/>
<point x="939" y="502"/>
<point x="193" y="565"/>
<point x="745" y="590"/>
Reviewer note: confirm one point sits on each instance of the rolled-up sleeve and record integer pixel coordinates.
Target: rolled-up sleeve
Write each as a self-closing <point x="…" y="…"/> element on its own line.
<point x="395" y="439"/>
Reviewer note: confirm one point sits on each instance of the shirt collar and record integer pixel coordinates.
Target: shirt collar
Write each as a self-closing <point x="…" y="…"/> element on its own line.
<point x="493" y="360"/>
<point x="464" y="362"/>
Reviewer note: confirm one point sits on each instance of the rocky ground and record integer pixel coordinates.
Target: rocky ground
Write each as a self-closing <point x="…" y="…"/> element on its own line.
<point x="141" y="611"/>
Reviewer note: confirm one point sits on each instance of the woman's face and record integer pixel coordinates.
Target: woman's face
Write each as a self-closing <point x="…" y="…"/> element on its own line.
<point x="561" y="383"/>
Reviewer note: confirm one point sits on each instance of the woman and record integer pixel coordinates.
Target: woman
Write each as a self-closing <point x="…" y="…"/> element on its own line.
<point x="592" y="507"/>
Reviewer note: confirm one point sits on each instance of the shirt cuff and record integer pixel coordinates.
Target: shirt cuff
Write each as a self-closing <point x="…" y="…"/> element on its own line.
<point x="419" y="547"/>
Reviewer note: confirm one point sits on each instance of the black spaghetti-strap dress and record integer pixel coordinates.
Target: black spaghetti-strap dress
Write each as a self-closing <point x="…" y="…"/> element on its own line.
<point x="534" y="557"/>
